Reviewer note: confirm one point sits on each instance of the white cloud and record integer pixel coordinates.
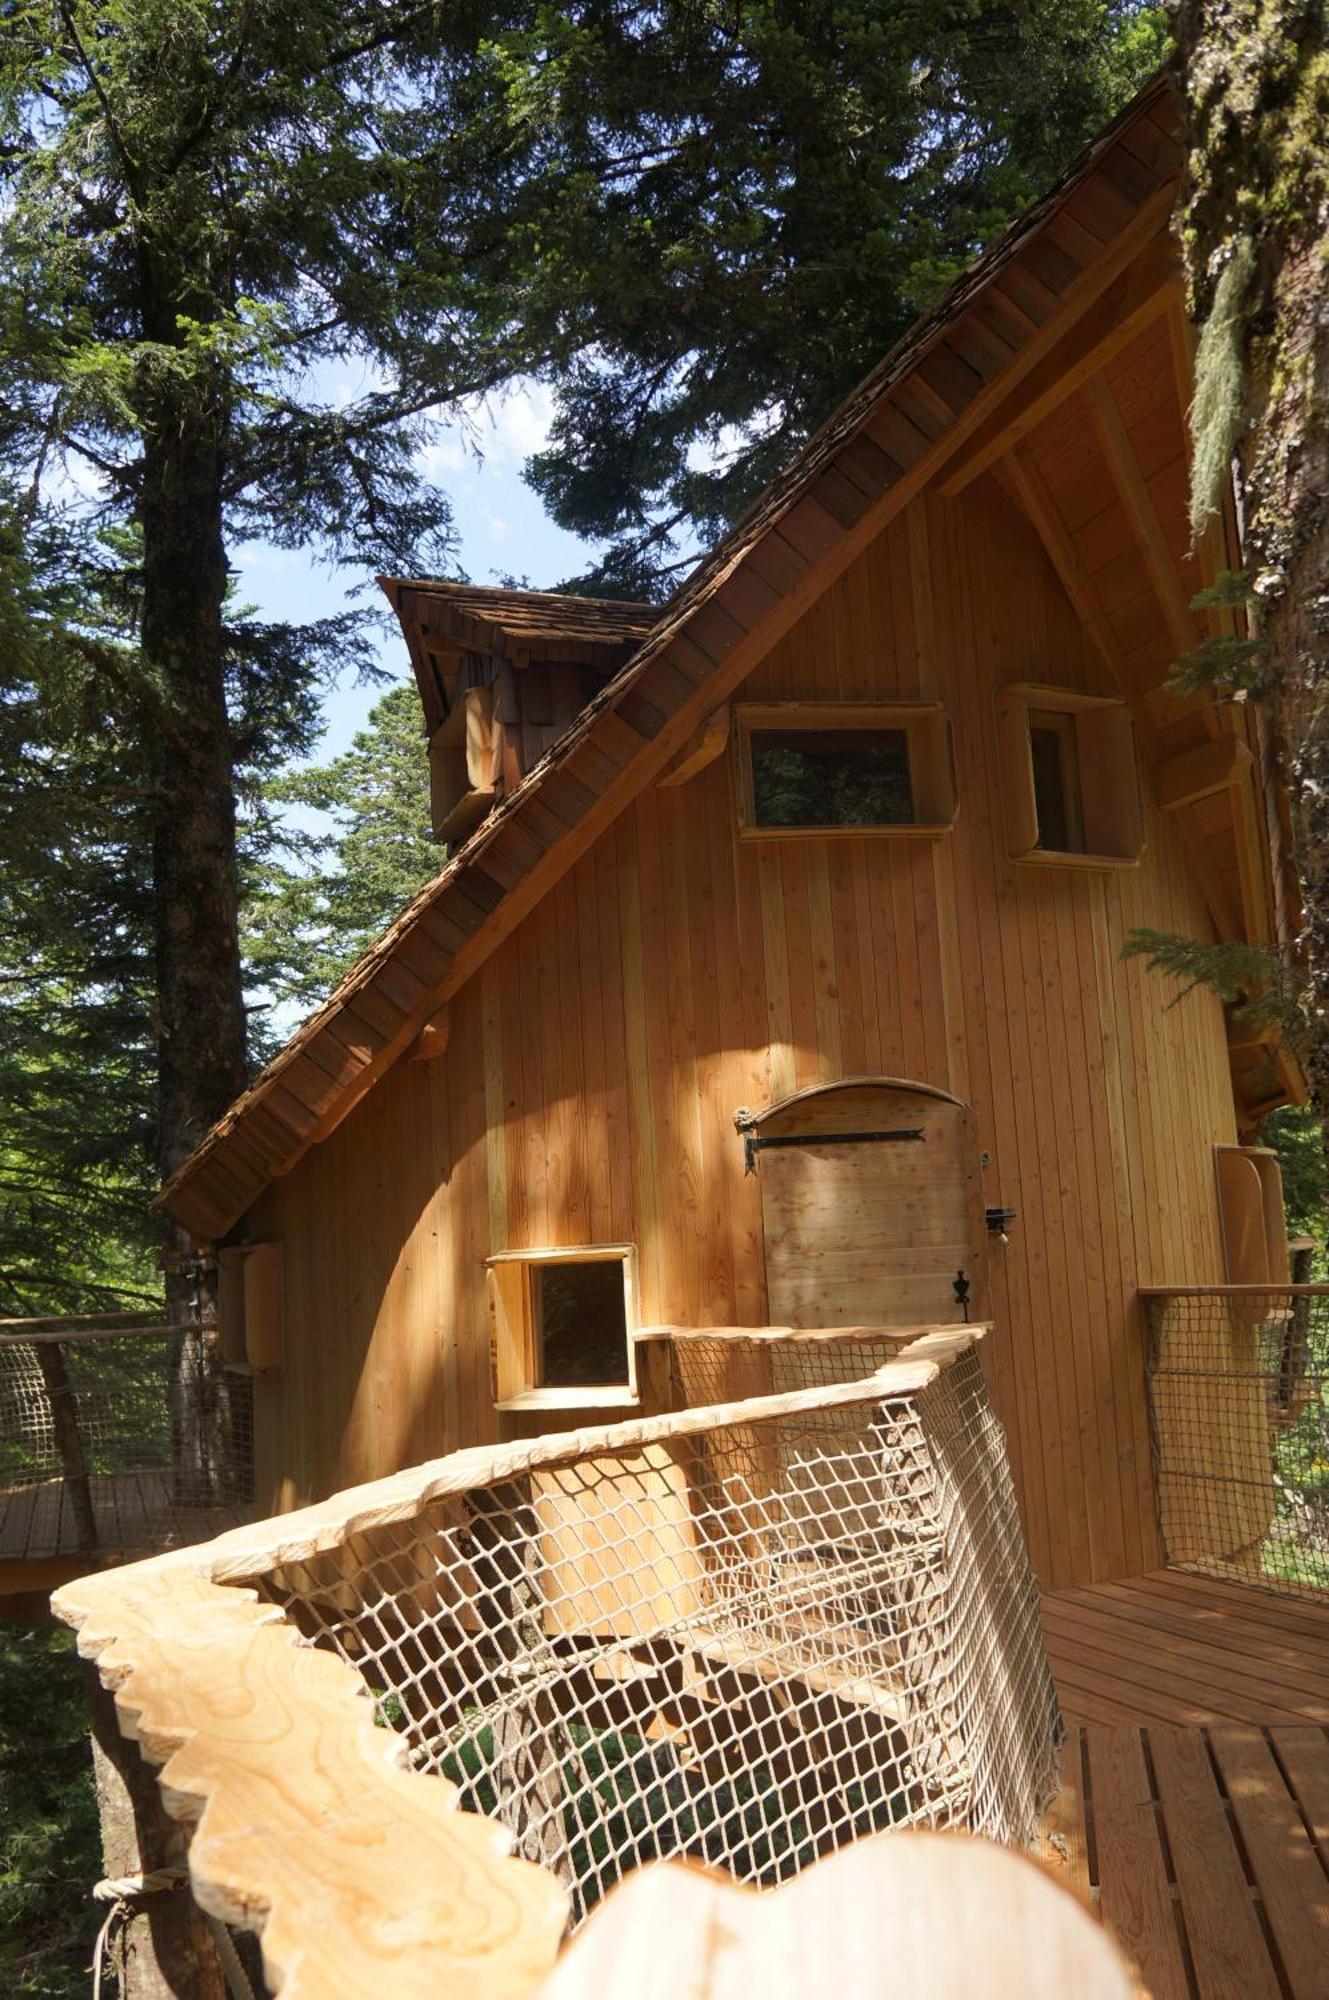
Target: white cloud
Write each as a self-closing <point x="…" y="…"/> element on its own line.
<point x="502" y="429"/>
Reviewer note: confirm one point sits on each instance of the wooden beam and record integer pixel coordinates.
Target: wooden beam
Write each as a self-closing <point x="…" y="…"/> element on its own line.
<point x="1143" y="517"/>
<point x="1046" y="521"/>
<point x="1199" y="773"/>
<point x="705" y="746"/>
<point x="1116" y="321"/>
<point x="1038" y="504"/>
<point x="432" y="1040"/>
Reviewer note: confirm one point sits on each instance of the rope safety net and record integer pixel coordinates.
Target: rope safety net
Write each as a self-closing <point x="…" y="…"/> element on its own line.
<point x="748" y="1643"/>
<point x="1239" y="1405"/>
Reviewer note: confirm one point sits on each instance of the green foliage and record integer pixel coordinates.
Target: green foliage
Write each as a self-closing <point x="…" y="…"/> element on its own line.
<point x="1261" y="986"/>
<point x="205" y="205"/>
<point x="316" y="898"/>
<point x="1296" y="1136"/>
<point x="1222" y="665"/>
<point x="732" y="213"/>
<point x="50" y="1850"/>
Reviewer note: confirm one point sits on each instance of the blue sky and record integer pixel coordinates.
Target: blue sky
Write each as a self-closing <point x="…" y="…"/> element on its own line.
<point x="503" y="531"/>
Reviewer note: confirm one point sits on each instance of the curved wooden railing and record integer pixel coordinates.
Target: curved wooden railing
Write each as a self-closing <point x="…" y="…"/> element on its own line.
<point x="363" y="1876"/>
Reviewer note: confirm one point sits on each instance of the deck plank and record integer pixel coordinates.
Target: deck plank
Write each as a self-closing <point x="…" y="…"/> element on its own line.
<point x="1237" y="1684"/>
<point x="1135" y="1895"/>
<point x="1168" y="1647"/>
<point x="1227" y="1945"/>
<point x="1291" y="1880"/>
<point x="1064" y="1842"/>
<point x="1304" y="1755"/>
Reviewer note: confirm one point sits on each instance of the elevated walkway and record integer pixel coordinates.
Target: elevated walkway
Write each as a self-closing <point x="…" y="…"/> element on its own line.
<point x="120" y="1436"/>
<point x="1194" y="1811"/>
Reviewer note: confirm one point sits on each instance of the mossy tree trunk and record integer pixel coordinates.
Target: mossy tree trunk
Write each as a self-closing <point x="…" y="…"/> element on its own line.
<point x="1255" y="235"/>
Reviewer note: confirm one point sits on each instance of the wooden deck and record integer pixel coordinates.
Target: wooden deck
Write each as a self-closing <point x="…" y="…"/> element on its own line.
<point x="135" y="1515"/>
<point x="1170" y="1647"/>
<point x="1194" y="1814"/>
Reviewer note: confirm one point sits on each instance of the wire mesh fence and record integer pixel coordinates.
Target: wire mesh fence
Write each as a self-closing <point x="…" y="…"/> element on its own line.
<point x="117" y="1441"/>
<point x="747" y="1636"/>
<point x="1238" y="1377"/>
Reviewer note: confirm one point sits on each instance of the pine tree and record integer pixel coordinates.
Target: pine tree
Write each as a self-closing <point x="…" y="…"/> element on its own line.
<point x="317" y="898"/>
<point x="750" y="205"/>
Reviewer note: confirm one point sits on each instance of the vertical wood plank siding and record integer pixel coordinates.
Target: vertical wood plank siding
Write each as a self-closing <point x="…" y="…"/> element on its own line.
<point x="676" y="973"/>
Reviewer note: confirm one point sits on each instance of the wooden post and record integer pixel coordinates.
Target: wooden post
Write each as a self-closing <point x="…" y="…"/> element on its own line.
<point x="203" y="1469"/>
<point x="166" y="1950"/>
<point x="64" y="1424"/>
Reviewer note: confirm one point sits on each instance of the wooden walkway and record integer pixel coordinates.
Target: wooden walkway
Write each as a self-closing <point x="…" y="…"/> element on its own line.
<point x="1194" y="1814"/>
<point x="1170" y="1647"/>
<point x="135" y="1513"/>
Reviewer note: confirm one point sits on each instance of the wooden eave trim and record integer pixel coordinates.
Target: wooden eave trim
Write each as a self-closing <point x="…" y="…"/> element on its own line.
<point x="814" y="543"/>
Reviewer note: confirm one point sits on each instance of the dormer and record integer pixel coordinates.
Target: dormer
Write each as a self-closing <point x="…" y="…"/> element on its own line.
<point x="502" y="674"/>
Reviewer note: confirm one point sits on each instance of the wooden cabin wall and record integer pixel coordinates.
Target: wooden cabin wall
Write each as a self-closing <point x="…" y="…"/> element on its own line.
<point x="676" y="973"/>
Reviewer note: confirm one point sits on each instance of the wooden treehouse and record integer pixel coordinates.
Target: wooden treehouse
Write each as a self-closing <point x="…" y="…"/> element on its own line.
<point x="753" y="1174"/>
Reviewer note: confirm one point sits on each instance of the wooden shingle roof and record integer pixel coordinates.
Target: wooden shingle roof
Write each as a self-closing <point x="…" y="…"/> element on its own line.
<point x="521" y="618"/>
<point x="939" y="389"/>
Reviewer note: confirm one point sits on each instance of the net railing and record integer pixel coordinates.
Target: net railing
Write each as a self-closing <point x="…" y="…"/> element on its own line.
<point x="1239" y="1409"/>
<point x="117" y="1440"/>
<point x="747" y="1641"/>
<point x="687" y="1367"/>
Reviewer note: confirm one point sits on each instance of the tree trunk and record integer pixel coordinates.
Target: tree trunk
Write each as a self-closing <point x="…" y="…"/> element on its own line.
<point x="166" y="1950"/>
<point x="1255" y="235"/>
<point x="200" y="1012"/>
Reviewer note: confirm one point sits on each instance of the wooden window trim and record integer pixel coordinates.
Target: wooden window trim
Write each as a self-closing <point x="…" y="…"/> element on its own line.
<point x="1252" y="1216"/>
<point x="931" y="763"/>
<point x="514" y="1335"/>
<point x="1110" y="801"/>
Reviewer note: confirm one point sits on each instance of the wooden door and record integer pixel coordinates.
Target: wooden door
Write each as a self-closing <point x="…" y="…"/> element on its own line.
<point x="871" y="1205"/>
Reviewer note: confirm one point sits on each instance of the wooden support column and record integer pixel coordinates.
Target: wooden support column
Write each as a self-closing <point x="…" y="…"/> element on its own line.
<point x="165" y="1950"/>
<point x="68" y="1442"/>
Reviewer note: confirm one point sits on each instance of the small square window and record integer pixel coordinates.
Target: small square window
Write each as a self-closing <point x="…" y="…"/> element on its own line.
<point x="1070" y="785"/>
<point x="844" y="768"/>
<point x="562" y="1325"/>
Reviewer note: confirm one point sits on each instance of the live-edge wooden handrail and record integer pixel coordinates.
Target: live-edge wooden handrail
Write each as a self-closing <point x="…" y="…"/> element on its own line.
<point x="362" y="1878"/>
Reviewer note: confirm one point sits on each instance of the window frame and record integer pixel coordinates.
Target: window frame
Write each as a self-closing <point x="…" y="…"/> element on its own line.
<point x="1109" y="797"/>
<point x="926" y="728"/>
<point x="515" y="1334"/>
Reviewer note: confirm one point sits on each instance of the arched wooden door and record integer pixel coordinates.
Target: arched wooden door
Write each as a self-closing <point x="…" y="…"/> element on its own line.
<point x="871" y="1205"/>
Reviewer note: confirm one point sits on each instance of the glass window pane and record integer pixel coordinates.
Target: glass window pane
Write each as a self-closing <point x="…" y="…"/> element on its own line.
<point x="1056" y="782"/>
<point x="582" y="1319"/>
<point x="831" y="777"/>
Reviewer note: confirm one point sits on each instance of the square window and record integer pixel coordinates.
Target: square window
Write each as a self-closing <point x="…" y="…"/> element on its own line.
<point x="562" y="1326"/>
<point x="1070" y="785"/>
<point x="808" y="768"/>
